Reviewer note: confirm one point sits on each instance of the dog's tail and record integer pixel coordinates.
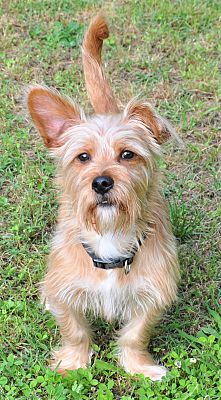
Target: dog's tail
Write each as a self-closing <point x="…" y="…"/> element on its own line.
<point x="99" y="91"/>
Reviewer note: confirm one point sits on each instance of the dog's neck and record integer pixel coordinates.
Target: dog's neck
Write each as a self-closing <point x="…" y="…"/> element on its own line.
<point x="110" y="245"/>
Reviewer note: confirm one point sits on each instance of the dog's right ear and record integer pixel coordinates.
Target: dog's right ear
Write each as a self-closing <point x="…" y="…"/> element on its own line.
<point x="52" y="114"/>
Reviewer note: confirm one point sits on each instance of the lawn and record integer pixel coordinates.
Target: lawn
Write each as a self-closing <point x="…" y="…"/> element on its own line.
<point x="169" y="53"/>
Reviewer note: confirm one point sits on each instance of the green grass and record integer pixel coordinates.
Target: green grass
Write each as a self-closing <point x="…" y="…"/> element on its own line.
<point x="169" y="52"/>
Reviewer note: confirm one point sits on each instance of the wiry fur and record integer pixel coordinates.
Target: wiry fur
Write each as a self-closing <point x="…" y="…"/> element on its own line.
<point x="136" y="211"/>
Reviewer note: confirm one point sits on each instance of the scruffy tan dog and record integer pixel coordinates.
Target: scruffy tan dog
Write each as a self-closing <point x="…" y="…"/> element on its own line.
<point x="113" y="253"/>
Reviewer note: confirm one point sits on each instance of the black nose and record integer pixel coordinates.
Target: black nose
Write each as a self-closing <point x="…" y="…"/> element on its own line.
<point x="102" y="184"/>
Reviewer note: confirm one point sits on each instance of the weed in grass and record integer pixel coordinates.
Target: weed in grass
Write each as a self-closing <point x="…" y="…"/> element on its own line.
<point x="66" y="35"/>
<point x="185" y="223"/>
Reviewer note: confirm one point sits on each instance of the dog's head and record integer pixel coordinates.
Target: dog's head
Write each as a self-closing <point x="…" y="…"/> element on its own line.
<point x="106" y="162"/>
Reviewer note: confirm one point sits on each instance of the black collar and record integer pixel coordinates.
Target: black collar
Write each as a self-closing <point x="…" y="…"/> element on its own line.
<point x="115" y="263"/>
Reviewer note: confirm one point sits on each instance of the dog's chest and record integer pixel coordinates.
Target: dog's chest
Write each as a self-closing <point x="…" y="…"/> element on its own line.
<point x="105" y="293"/>
<point x="109" y="298"/>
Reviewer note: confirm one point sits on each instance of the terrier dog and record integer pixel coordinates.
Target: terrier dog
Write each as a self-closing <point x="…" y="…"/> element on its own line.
<point x="113" y="252"/>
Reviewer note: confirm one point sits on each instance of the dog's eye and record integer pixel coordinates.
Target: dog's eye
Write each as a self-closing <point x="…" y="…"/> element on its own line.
<point x="84" y="157"/>
<point x="127" y="155"/>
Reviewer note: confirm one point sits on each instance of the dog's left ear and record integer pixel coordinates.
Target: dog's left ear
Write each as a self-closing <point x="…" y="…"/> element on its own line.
<point x="139" y="112"/>
<point x="52" y="114"/>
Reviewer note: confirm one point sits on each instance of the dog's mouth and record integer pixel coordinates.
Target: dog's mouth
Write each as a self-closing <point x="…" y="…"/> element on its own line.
<point x="104" y="202"/>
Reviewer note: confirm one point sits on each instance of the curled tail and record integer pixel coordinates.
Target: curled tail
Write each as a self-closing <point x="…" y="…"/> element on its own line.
<point x="99" y="91"/>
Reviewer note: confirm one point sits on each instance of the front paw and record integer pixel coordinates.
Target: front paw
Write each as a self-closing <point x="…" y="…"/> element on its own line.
<point x="154" y="372"/>
<point x="142" y="363"/>
<point x="69" y="358"/>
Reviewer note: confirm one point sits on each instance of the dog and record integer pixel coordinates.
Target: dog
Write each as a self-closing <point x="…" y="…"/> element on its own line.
<point x="113" y="253"/>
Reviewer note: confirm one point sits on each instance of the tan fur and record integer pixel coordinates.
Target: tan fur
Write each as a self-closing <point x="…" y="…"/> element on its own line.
<point x="100" y="94"/>
<point x="73" y="286"/>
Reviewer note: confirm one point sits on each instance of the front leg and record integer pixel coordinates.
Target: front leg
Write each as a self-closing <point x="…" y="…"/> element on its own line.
<point x="75" y="350"/>
<point x="133" y="342"/>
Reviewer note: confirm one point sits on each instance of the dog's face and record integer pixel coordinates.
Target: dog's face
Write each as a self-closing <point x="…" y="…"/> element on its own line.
<point x="106" y="163"/>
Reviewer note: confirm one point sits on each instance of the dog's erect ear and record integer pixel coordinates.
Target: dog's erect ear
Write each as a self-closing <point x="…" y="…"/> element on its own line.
<point x="142" y="112"/>
<point x="52" y="114"/>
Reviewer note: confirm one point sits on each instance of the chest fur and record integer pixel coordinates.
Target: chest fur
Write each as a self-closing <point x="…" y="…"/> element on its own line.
<point x="105" y="293"/>
<point x="110" y="245"/>
<point x="108" y="297"/>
